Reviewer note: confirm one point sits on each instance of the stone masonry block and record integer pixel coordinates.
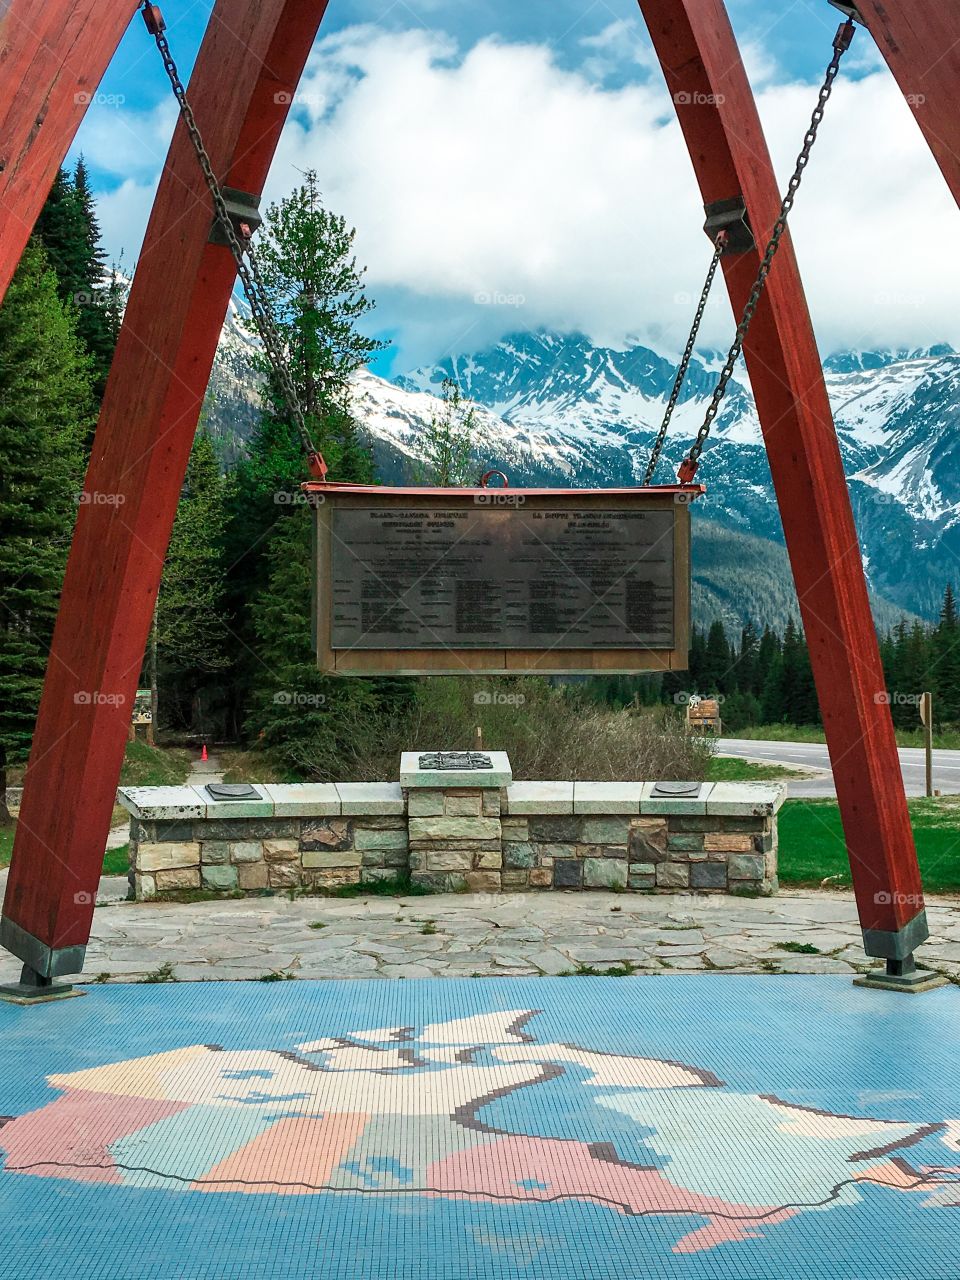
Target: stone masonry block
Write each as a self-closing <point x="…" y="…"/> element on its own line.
<point x="673" y="875"/>
<point x="724" y="842"/>
<point x="253" y="875"/>
<point x="326" y="833"/>
<point x="215" y="851"/>
<point x="685" y="843"/>
<point x="319" y="859"/>
<point x="325" y="859"/>
<point x="604" y="830"/>
<point x="246" y="851"/>
<point x="555" y="829"/>
<point x="462" y="806"/>
<point x="450" y="861"/>
<point x="221" y="878"/>
<point x="483" y="881"/>
<point x="364" y="839"/>
<point x="180" y="878"/>
<point x="746" y="866"/>
<point x="168" y="857"/>
<point x="604" y="873"/>
<point x="568" y="873"/>
<point x="424" y="803"/>
<point x="519" y="855"/>
<point x="708" y="875"/>
<point x="283" y="875"/>
<point x="281" y="850"/>
<point x="515" y="828"/>
<point x="491" y="804"/>
<point x="454" y="828"/>
<point x="541" y="877"/>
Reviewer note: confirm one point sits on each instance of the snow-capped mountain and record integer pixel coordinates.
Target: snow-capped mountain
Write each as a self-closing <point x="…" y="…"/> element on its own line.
<point x="555" y="409"/>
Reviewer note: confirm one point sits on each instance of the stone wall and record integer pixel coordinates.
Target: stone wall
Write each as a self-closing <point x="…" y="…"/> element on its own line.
<point x="715" y="838"/>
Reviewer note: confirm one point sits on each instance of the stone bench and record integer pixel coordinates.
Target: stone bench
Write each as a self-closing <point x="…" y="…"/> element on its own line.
<point x="455" y="833"/>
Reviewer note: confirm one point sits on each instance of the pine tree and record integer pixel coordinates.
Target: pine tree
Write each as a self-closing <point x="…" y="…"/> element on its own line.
<point x="945" y="658"/>
<point x="317" y="295"/>
<point x="46" y="408"/>
<point x="70" y="231"/>
<point x="446" y="444"/>
<point x="97" y="323"/>
<point x="193" y="634"/>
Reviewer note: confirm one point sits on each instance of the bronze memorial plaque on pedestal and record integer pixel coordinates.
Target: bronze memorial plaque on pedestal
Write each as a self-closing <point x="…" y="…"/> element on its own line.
<point x="422" y="581"/>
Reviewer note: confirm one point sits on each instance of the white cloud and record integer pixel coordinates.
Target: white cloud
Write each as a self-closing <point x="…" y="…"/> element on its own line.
<point x="498" y="173"/>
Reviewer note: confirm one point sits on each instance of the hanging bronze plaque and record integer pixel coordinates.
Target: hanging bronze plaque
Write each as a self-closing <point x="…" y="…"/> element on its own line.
<point x="498" y="581"/>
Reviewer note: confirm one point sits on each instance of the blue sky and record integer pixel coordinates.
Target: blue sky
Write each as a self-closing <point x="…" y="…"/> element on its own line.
<point x="515" y="165"/>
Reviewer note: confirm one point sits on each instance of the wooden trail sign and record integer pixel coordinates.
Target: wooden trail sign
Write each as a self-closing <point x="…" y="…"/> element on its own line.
<point x="497" y="581"/>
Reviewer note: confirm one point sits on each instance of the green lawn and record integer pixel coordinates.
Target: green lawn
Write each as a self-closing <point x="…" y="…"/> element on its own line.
<point x="949" y="740"/>
<point x="729" y="769"/>
<point x="812" y="845"/>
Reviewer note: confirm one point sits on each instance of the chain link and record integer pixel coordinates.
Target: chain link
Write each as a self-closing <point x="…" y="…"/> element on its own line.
<point x="685" y="360"/>
<point x="841" y="44"/>
<point x="241" y="249"/>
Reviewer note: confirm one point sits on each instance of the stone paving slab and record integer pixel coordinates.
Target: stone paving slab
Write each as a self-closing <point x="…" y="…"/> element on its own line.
<point x="485" y="934"/>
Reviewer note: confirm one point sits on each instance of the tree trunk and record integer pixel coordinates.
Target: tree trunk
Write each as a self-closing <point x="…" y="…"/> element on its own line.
<point x="154" y="687"/>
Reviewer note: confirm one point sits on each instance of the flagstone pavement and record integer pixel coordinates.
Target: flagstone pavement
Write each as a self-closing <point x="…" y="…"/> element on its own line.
<point x="482" y="935"/>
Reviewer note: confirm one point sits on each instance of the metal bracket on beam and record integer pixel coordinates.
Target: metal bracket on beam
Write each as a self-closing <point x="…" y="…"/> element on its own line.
<point x="729" y="216"/>
<point x="244" y="211"/>
<point x="851" y="10"/>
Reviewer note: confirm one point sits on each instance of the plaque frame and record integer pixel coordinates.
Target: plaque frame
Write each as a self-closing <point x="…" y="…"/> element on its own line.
<point x="325" y="497"/>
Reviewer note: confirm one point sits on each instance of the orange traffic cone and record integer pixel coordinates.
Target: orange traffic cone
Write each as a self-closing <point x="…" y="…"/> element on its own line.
<point x="203" y="753"/>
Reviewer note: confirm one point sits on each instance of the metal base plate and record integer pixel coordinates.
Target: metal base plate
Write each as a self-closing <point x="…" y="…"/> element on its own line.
<point x="919" y="982"/>
<point x="678" y="1127"/>
<point x="23" y="993"/>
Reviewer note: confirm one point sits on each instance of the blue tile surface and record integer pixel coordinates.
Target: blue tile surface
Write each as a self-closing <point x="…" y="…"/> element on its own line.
<point x="690" y="1126"/>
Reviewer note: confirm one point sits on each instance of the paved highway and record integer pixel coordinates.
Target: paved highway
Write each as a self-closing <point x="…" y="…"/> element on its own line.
<point x="813" y="756"/>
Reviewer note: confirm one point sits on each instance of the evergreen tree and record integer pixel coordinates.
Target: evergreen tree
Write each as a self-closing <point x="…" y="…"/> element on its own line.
<point x="46" y="408"/>
<point x="446" y="444"/>
<point x="317" y="295"/>
<point x="716" y="672"/>
<point x="192" y="633"/>
<point x="70" y="232"/>
<point x="945" y="646"/>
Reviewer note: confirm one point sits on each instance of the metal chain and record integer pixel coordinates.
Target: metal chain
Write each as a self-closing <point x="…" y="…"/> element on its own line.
<point x="685" y="360"/>
<point x="241" y="249"/>
<point x="841" y="43"/>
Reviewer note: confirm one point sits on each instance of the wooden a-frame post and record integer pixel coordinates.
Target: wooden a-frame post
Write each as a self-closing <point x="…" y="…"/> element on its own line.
<point x="244" y="80"/>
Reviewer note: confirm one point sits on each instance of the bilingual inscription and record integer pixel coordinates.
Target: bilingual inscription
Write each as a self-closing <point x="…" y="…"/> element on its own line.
<point x="502" y="578"/>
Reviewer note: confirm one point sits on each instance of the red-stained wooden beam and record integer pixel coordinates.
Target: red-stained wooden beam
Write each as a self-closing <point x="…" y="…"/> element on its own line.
<point x="920" y="40"/>
<point x="718" y="116"/>
<point x="247" y="70"/>
<point x="53" y="54"/>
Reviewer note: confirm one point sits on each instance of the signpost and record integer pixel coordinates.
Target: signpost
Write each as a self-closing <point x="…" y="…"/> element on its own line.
<point x="926" y="717"/>
<point x="501" y="581"/>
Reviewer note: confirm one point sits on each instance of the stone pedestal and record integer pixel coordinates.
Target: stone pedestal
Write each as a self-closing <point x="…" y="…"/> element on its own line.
<point x="453" y="822"/>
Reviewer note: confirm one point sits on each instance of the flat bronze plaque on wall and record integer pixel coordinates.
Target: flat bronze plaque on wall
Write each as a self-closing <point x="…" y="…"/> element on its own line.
<point x="459" y="581"/>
